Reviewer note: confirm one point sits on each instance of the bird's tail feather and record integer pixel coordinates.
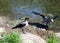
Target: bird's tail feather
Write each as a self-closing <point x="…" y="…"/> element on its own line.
<point x="13" y="27"/>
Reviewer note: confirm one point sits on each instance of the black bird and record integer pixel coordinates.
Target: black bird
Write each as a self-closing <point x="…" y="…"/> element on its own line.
<point x="22" y="25"/>
<point x="48" y="20"/>
<point x="38" y="25"/>
<point x="45" y="19"/>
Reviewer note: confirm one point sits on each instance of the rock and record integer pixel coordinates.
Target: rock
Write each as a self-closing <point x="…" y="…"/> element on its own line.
<point x="58" y="35"/>
<point x="31" y="38"/>
<point x="2" y="29"/>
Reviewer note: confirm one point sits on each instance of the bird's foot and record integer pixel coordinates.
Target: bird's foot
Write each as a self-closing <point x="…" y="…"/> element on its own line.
<point x="24" y="32"/>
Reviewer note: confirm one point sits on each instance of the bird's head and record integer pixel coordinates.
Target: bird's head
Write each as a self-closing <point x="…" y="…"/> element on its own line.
<point x="27" y="19"/>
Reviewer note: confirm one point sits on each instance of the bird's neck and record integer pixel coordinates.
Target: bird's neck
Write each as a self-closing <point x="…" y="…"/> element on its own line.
<point x="26" y="21"/>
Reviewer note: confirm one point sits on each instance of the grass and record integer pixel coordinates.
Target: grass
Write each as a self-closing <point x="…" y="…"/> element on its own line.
<point x="14" y="37"/>
<point x="53" y="39"/>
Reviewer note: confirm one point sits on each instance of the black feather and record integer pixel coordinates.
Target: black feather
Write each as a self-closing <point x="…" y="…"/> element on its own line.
<point x="39" y="14"/>
<point x="55" y="17"/>
<point x="36" y="13"/>
<point x="43" y="16"/>
<point x="19" y="26"/>
<point x="38" y="25"/>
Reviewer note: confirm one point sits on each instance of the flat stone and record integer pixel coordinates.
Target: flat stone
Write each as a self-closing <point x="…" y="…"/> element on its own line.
<point x="58" y="34"/>
<point x="31" y="38"/>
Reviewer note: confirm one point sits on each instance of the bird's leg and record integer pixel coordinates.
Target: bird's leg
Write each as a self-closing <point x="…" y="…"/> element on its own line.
<point x="23" y="31"/>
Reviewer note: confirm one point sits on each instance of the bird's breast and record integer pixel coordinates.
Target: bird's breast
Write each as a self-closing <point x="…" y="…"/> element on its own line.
<point x="52" y="20"/>
<point x="26" y="24"/>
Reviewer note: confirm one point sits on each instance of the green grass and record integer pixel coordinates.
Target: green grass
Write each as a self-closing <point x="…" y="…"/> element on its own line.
<point x="53" y="39"/>
<point x="14" y="37"/>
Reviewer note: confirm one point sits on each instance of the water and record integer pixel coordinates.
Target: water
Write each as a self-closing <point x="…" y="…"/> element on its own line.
<point x="26" y="11"/>
<point x="20" y="8"/>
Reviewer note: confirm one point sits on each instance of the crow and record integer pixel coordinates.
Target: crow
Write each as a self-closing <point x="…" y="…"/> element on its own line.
<point x="22" y="25"/>
<point x="46" y="19"/>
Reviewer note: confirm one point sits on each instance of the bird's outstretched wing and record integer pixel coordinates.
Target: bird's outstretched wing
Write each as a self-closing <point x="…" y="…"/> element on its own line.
<point x="39" y="14"/>
<point x="43" y="17"/>
<point x="55" y="17"/>
<point x="35" y="13"/>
